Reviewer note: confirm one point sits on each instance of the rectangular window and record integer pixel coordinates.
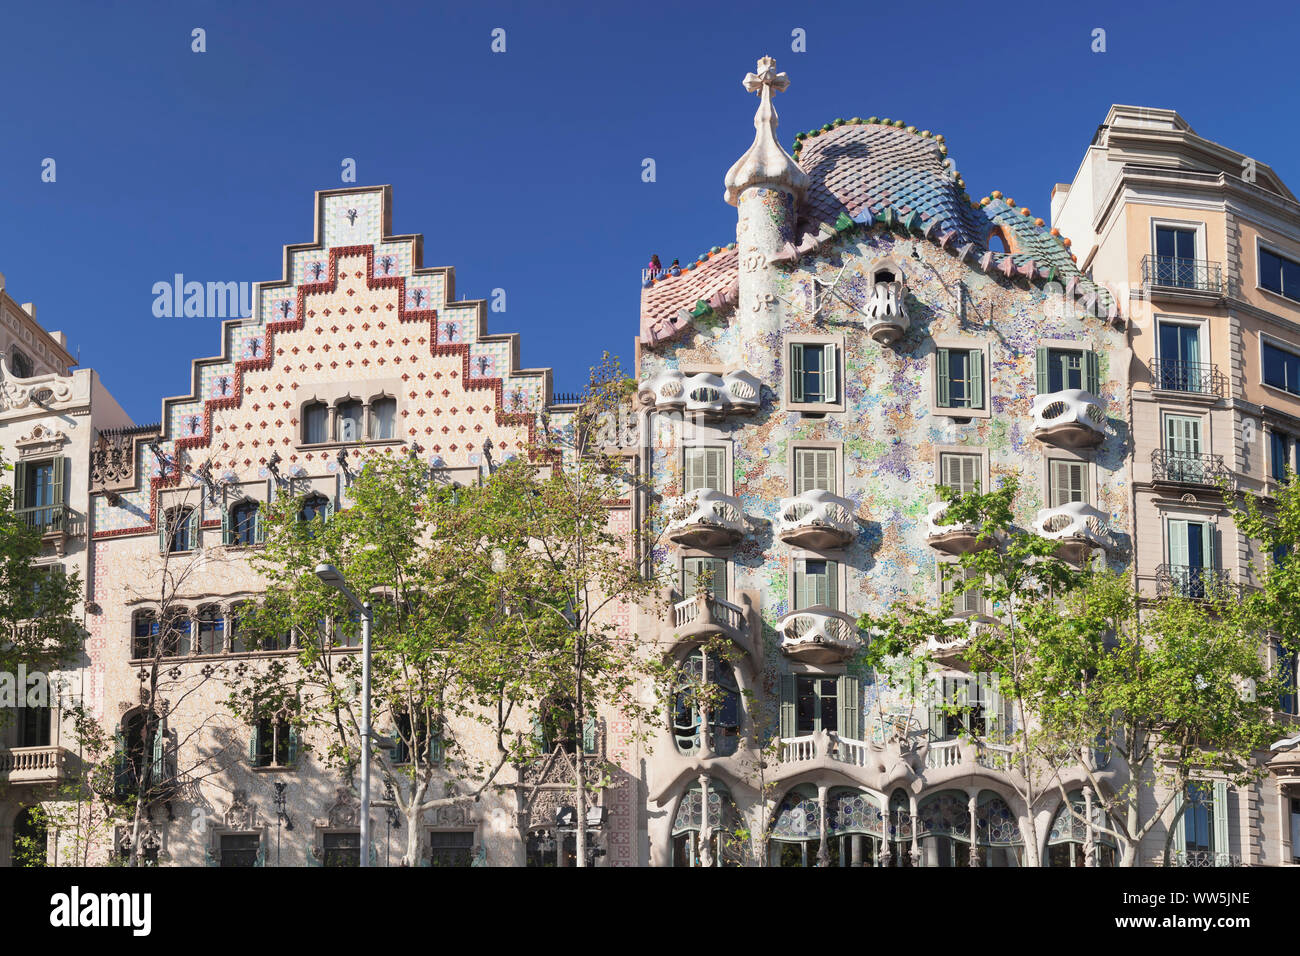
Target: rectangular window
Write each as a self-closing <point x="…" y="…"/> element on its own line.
<point x="1182" y="449"/>
<point x="1280" y="446"/>
<point x="959" y="379"/>
<point x="813" y="373"/>
<point x="968" y="707"/>
<point x="1281" y="368"/>
<point x="1198" y="818"/>
<point x="1180" y="357"/>
<point x="1067" y="481"/>
<point x="33" y="726"/>
<point x="40" y="491"/>
<point x="1286" y="665"/>
<point x="274" y="743"/>
<point x="704" y="468"/>
<point x="341" y="849"/>
<point x="816" y="705"/>
<point x="1175" y="257"/>
<point x="970" y="601"/>
<point x="959" y="472"/>
<point x="708" y="573"/>
<point x="451" y="848"/>
<point x="240" y="849"/>
<point x="816" y="582"/>
<point x="1280" y="275"/>
<point x="1191" y="555"/>
<point x="814" y="468"/>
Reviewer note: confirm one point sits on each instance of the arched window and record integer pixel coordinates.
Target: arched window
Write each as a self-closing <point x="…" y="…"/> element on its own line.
<point x="724" y="847"/>
<point x="796" y="830"/>
<point x="20" y="363"/>
<point x="855" y="827"/>
<point x="179" y="530"/>
<point x="243" y="524"/>
<point x="144" y="635"/>
<point x="997" y="831"/>
<point x="176" y="633"/>
<point x="383" y="419"/>
<point x="313" y="507"/>
<point x="212" y="630"/>
<point x="706" y="686"/>
<point x="1000" y="240"/>
<point x="31" y="841"/>
<point x="1067" y="841"/>
<point x="237" y="645"/>
<point x="348" y="421"/>
<point x="555" y="726"/>
<point x="943" y="829"/>
<point x="142" y="757"/>
<point x="315" y="423"/>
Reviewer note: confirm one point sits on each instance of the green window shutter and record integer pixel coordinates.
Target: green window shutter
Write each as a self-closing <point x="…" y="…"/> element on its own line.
<point x="20" y="484"/>
<point x="1221" y="842"/>
<point x="121" y="769"/>
<point x="942" y="390"/>
<point x="538" y="733"/>
<point x="435" y="745"/>
<point x="800" y="584"/>
<point x="1180" y="828"/>
<point x="976" y="373"/>
<point x="938" y="694"/>
<point x="1042" y="371"/>
<point x="1207" y="545"/>
<point x="162" y="532"/>
<point x="832" y="585"/>
<point x="60" y="489"/>
<point x="329" y="508"/>
<point x="847" y="698"/>
<point x="830" y="368"/>
<point x="1091" y="373"/>
<point x="714" y="461"/>
<point x="589" y="726"/>
<point x="802" y="478"/>
<point x="293" y="744"/>
<point x="259" y="530"/>
<point x="225" y="526"/>
<point x="1178" y="529"/>
<point x="159" y="753"/>
<point x="252" y="745"/>
<point x="796" y="372"/>
<point x="787" y="721"/>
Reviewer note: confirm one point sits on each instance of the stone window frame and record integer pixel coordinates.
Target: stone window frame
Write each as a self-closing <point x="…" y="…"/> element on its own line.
<point x="808" y="445"/>
<point x="841" y="574"/>
<point x="1197" y="225"/>
<point x="1074" y="457"/>
<point x="980" y="451"/>
<point x="728" y="463"/>
<point x="332" y="395"/>
<point x="190" y="609"/>
<point x="968" y="343"/>
<point x="787" y="382"/>
<point x="1266" y="245"/>
<point x="722" y="555"/>
<point x="453" y="819"/>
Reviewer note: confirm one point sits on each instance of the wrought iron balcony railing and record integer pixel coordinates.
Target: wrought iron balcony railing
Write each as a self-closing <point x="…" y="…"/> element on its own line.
<point x="1186" y="468"/>
<point x="45" y="518"/>
<point x="1192" y="582"/>
<point x="1198" y="377"/>
<point x="1192" y="275"/>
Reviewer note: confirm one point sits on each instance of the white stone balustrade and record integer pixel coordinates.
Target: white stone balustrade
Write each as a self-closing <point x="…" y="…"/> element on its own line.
<point x="1076" y="525"/>
<point x="941" y="754"/>
<point x="704" y="612"/>
<point x="819" y="635"/>
<point x="32" y="764"/>
<point x="1071" y="418"/>
<point x="887" y="317"/>
<point x="826" y="745"/>
<point x="702" y="393"/>
<point x="705" y="518"/>
<point x="817" y="519"/>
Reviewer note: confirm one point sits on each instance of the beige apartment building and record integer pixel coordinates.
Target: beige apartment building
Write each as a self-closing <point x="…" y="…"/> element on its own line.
<point x="1203" y="245"/>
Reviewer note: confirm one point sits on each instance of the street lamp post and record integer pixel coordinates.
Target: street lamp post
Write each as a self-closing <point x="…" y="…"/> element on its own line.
<point x="332" y="577"/>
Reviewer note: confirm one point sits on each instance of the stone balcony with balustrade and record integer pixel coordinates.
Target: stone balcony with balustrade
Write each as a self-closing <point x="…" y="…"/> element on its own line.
<point x="819" y="635"/>
<point x="33" y="765"/>
<point x="951" y="537"/>
<point x="1078" y="529"/>
<point x="703" y="616"/>
<point x="817" y="519"/>
<point x="705" y="518"/>
<point x="885" y="764"/>
<point x="1070" y="418"/>
<point x="886" y="313"/>
<point x="704" y="394"/>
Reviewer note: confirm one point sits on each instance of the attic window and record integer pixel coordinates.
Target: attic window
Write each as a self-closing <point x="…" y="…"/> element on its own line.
<point x="998" y="240"/>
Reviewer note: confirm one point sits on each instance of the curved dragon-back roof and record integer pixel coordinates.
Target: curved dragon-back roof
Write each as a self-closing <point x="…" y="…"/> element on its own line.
<point x="869" y="172"/>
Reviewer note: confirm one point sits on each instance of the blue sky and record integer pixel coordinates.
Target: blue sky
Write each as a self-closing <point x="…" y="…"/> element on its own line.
<point x="523" y="169"/>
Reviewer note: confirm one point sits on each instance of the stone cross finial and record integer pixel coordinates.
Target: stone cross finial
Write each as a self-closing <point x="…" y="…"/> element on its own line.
<point x="766" y="80"/>
<point x="766" y="163"/>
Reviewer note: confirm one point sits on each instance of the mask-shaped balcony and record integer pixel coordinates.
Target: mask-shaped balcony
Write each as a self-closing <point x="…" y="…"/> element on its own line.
<point x="705" y="519"/>
<point x="704" y="616"/>
<point x="950" y="648"/>
<point x="817" y="519"/>
<point x="1077" y="527"/>
<point x="819" y="635"/>
<point x="951" y="537"/>
<point x="887" y="318"/>
<point x="1071" y="418"/>
<point x="706" y="394"/>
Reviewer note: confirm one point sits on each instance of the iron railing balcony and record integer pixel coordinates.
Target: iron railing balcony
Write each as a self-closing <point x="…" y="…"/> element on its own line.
<point x="1190" y="275"/>
<point x="1173" y="376"/>
<point x="1190" y="581"/>
<point x="1186" y="468"/>
<point x="44" y="518"/>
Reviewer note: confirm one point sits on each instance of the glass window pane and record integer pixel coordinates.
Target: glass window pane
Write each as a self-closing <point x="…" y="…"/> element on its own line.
<point x="383" y="419"/>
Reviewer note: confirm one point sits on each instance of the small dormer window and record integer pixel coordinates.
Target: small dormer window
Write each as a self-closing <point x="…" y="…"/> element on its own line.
<point x="22" y="365"/>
